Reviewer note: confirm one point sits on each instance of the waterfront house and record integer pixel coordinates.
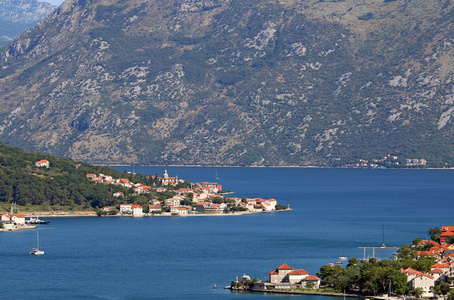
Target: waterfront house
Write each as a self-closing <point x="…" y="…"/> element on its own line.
<point x="182" y="211"/>
<point x="137" y="210"/>
<point x="174" y="210"/>
<point x="154" y="208"/>
<point x="125" y="209"/>
<point x="285" y="277"/>
<point x="280" y="274"/>
<point x="10" y="221"/>
<point x="42" y="164"/>
<point x="118" y="194"/>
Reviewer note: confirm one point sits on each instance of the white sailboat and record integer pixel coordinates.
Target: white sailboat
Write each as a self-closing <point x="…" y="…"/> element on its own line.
<point x="36" y="250"/>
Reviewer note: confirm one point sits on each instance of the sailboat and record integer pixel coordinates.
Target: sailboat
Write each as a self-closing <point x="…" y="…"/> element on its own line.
<point x="36" y="250"/>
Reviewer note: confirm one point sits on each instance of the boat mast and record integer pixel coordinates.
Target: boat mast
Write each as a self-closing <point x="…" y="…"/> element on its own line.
<point x="37" y="238"/>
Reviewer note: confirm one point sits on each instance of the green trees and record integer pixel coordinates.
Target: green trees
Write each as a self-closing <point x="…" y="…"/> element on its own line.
<point x="64" y="185"/>
<point x="370" y="277"/>
<point x="417" y="292"/>
<point x="434" y="234"/>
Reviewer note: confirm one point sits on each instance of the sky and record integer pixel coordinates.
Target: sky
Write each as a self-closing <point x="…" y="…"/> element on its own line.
<point x="54" y="2"/>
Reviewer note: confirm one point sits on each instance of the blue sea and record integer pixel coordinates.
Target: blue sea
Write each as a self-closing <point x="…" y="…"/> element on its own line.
<point x="335" y="211"/>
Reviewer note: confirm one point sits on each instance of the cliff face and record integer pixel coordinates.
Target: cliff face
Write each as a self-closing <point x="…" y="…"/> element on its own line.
<point x="16" y="16"/>
<point x="233" y="82"/>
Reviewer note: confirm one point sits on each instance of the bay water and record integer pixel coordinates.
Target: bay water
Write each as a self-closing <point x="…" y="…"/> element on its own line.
<point x="335" y="211"/>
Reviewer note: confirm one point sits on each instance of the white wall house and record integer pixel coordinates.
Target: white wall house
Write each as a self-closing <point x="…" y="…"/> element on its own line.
<point x="425" y="281"/>
<point x="137" y="210"/>
<point x="42" y="164"/>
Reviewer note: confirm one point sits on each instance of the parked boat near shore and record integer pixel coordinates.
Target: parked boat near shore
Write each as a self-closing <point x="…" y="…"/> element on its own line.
<point x="36" y="221"/>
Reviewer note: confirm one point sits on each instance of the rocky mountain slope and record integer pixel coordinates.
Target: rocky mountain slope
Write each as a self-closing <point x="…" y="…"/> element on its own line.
<point x="232" y="82"/>
<point x="16" y="16"/>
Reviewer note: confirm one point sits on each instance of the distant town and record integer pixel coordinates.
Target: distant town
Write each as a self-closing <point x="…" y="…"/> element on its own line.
<point x="388" y="161"/>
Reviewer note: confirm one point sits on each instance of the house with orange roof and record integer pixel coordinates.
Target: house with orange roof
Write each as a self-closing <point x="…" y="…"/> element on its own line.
<point x="137" y="210"/>
<point x="285" y="277"/>
<point x="425" y="282"/>
<point x="153" y="208"/>
<point x="125" y="209"/>
<point x="446" y="231"/>
<point x="444" y="267"/>
<point x="42" y="163"/>
<point x="438" y="275"/>
<point x="411" y="273"/>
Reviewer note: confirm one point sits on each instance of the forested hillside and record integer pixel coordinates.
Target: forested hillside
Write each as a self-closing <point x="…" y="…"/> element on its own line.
<point x="231" y="82"/>
<point x="64" y="185"/>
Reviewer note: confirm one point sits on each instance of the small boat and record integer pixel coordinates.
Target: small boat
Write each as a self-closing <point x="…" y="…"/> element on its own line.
<point x="343" y="258"/>
<point x="36" y="250"/>
<point x="35" y="221"/>
<point x="215" y="287"/>
<point x="339" y="262"/>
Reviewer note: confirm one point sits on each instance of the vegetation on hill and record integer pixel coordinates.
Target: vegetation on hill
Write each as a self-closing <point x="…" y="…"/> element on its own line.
<point x="63" y="186"/>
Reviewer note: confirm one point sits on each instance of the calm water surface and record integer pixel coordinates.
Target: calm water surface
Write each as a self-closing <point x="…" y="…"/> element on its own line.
<point x="334" y="212"/>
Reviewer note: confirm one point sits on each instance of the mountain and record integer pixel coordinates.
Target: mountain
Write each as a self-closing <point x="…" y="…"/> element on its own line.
<point x="234" y="82"/>
<point x="16" y="16"/>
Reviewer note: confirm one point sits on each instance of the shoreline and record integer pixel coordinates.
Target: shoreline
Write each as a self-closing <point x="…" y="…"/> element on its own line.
<point x="54" y="214"/>
<point x="290" y="167"/>
<point x="289" y="292"/>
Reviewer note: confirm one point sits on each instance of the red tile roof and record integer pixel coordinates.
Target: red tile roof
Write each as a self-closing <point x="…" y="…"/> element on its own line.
<point x="298" y="272"/>
<point x="440" y="266"/>
<point x="284" y="267"/>
<point x="447" y="228"/>
<point x="274" y="272"/>
<point x="311" y="278"/>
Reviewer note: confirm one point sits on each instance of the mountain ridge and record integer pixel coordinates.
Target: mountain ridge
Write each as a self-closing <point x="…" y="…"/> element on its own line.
<point x="16" y="16"/>
<point x="231" y="83"/>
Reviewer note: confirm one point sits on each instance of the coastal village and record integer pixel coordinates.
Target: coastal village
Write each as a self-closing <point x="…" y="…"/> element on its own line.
<point x="184" y="199"/>
<point x="285" y="279"/>
<point x="199" y="198"/>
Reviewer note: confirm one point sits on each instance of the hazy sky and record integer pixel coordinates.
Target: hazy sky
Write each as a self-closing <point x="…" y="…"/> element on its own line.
<point x="54" y="2"/>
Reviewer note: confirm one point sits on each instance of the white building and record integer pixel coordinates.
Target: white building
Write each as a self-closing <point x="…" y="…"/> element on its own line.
<point x="125" y="209"/>
<point x="425" y="281"/>
<point x="137" y="210"/>
<point x="42" y="164"/>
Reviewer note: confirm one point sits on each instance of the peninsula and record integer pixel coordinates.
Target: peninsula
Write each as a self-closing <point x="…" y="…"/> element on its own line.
<point x="46" y="185"/>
